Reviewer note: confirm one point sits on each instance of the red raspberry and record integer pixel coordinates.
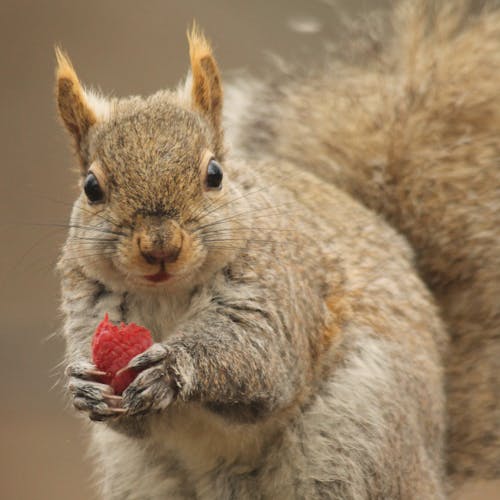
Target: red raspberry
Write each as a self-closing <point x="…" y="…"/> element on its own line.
<point x="114" y="346"/>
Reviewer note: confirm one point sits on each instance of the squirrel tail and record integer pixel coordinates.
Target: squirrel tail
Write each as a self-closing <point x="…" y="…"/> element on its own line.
<point x="413" y="132"/>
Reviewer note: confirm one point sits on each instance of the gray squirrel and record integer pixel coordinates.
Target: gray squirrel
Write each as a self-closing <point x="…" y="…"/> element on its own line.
<point x="298" y="352"/>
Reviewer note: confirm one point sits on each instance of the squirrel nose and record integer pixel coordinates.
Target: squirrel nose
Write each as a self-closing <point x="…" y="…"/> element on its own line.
<point x="160" y="256"/>
<point x="159" y="242"/>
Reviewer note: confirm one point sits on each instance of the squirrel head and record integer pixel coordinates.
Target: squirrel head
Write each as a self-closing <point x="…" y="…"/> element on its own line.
<point x="155" y="205"/>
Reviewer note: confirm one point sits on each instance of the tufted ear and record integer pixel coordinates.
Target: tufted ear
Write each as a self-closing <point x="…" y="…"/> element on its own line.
<point x="74" y="106"/>
<point x="206" y="91"/>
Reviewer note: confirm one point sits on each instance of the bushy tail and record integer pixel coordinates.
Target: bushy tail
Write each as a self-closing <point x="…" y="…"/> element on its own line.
<point x="414" y="134"/>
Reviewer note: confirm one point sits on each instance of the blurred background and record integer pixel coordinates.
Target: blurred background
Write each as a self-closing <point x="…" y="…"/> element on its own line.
<point x="124" y="47"/>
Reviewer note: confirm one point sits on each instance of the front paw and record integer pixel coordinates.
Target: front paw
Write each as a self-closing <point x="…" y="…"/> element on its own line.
<point x="155" y="387"/>
<point x="90" y="394"/>
<point x="152" y="390"/>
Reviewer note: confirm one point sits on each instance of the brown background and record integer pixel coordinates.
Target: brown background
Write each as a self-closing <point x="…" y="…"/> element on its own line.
<point x="126" y="47"/>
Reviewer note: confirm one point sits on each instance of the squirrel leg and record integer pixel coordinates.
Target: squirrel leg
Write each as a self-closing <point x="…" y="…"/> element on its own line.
<point x="231" y="368"/>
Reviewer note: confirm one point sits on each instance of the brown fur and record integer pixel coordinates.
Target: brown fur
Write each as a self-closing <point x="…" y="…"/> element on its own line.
<point x="414" y="134"/>
<point x="296" y="352"/>
<point x="341" y="311"/>
<point x="207" y="87"/>
<point x="72" y="104"/>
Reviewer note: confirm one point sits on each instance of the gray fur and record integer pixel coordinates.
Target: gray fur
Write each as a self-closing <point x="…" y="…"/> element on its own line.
<point x="298" y="354"/>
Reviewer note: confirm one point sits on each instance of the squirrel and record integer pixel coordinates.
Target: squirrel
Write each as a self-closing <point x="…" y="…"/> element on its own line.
<point x="294" y="355"/>
<point x="414" y="135"/>
<point x="299" y="352"/>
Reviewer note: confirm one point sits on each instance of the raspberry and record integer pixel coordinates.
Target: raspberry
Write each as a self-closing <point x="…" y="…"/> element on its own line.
<point x="114" y="346"/>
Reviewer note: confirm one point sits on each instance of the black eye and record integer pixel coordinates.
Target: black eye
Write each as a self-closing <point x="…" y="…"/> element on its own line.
<point x="92" y="189"/>
<point x="214" y="175"/>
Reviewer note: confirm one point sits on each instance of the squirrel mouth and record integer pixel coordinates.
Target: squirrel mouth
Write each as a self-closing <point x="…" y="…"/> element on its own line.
<point x="158" y="277"/>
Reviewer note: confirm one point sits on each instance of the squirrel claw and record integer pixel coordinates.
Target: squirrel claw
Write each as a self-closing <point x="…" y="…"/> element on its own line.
<point x="114" y="402"/>
<point x="151" y="356"/>
<point x="112" y="397"/>
<point x="118" y="411"/>
<point x="122" y="370"/>
<point x="83" y="370"/>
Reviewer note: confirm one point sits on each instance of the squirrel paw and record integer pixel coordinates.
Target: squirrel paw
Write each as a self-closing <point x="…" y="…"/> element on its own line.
<point x="154" y="388"/>
<point x="91" y="396"/>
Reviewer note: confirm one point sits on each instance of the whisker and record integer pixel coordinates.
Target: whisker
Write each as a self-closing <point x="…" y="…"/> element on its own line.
<point x="88" y="251"/>
<point x="236" y="239"/>
<point x="89" y="238"/>
<point x="234" y="231"/>
<point x="236" y="247"/>
<point x="196" y="213"/>
<point x="23" y="257"/>
<point x="241" y="214"/>
<point x="86" y="247"/>
<point x="227" y="247"/>
<point x="228" y="202"/>
<point x="251" y="241"/>
<point x="87" y="260"/>
<point x="79" y="226"/>
<point x="107" y="218"/>
<point x="87" y="255"/>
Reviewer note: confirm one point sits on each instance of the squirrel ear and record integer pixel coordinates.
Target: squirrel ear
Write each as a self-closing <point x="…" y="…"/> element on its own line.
<point x="206" y="91"/>
<point x="73" y="105"/>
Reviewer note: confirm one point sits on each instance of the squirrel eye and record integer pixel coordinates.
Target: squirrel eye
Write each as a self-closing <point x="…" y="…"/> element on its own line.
<point x="214" y="175"/>
<point x="92" y="189"/>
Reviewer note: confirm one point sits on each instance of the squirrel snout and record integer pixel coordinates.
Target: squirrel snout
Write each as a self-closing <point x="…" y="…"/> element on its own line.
<point x="160" y="248"/>
<point x="158" y="256"/>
